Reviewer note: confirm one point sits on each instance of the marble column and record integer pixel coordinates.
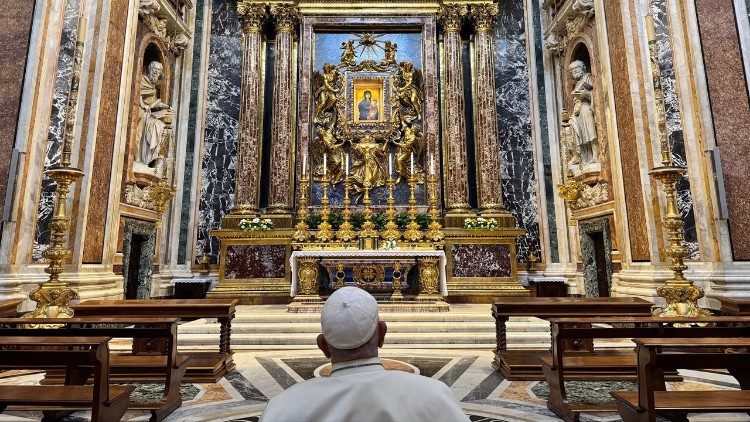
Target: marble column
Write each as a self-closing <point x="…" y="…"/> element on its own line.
<point x="250" y="142"/>
<point x="454" y="126"/>
<point x="486" y="144"/>
<point x="282" y="132"/>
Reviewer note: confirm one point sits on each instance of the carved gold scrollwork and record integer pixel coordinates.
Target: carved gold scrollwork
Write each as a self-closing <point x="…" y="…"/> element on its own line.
<point x="429" y="276"/>
<point x="308" y="276"/>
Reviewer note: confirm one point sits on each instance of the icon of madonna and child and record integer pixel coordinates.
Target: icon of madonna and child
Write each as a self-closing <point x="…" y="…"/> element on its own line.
<point x="369" y="106"/>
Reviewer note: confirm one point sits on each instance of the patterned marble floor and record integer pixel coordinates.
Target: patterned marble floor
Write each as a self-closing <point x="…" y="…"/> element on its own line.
<point x="484" y="395"/>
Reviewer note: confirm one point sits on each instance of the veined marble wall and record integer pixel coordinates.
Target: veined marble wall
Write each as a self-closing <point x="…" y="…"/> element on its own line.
<point x="222" y="116"/>
<point x="674" y="123"/>
<point x="514" y="125"/>
<point x="57" y="126"/>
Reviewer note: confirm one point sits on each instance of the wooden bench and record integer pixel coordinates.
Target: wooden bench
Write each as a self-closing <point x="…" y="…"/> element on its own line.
<point x="204" y="366"/>
<point x="157" y="367"/>
<point x="9" y="308"/>
<point x="739" y="306"/>
<point x="657" y="355"/>
<point x="91" y="354"/>
<point x="616" y="364"/>
<point x="523" y="364"/>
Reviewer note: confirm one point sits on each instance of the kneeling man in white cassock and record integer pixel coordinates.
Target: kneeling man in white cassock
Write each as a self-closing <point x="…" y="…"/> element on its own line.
<point x="359" y="388"/>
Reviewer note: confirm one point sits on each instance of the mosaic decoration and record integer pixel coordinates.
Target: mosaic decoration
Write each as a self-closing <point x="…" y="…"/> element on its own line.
<point x="222" y="117"/>
<point x="514" y="126"/>
<point x="56" y="127"/>
<point x="481" y="260"/>
<point x="674" y="124"/>
<point x="255" y="261"/>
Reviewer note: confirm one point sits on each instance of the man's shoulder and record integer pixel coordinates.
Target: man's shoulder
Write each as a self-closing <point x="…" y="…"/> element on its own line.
<point x="406" y="378"/>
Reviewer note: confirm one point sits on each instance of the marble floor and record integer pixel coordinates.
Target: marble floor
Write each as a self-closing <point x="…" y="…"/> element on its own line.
<point x="484" y="394"/>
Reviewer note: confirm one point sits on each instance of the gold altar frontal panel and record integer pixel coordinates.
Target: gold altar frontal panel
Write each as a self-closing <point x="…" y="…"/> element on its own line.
<point x="254" y="266"/>
<point x="481" y="265"/>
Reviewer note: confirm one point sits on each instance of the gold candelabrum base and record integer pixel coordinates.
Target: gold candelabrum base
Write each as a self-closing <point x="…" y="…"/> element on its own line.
<point x="435" y="231"/>
<point x="346" y="232"/>
<point x="679" y="293"/>
<point x="325" y="230"/>
<point x="369" y="231"/>
<point x="391" y="232"/>
<point x="413" y="232"/>
<point x="53" y="297"/>
<point x="302" y="230"/>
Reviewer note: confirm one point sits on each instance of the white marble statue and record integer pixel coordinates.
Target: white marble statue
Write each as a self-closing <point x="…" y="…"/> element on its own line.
<point x="155" y="116"/>
<point x="583" y="120"/>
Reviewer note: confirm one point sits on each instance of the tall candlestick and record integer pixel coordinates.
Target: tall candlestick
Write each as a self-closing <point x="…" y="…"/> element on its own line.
<point x="432" y="163"/>
<point x="390" y="165"/>
<point x="325" y="165"/>
<point x="304" y="164"/>
<point x="412" y="163"/>
<point x="347" y="166"/>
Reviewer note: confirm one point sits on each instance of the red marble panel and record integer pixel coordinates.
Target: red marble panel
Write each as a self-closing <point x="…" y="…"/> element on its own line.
<point x="631" y="172"/>
<point x="15" y="28"/>
<point x="255" y="261"/>
<point x="481" y="260"/>
<point x="99" y="194"/>
<point x="731" y="112"/>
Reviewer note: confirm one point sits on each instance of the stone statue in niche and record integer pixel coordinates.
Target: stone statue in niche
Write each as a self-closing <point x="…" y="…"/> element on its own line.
<point x="154" y="120"/>
<point x="583" y="120"/>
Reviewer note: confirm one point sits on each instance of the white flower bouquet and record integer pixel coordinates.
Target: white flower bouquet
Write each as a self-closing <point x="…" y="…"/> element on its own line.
<point x="480" y="223"/>
<point x="256" y="224"/>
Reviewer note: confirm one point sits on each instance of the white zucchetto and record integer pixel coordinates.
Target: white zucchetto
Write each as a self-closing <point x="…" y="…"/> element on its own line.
<point x="349" y="318"/>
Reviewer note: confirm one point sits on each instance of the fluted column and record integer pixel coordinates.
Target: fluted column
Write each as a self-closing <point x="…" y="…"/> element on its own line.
<point x="454" y="130"/>
<point x="282" y="132"/>
<point x="486" y="144"/>
<point x="250" y="143"/>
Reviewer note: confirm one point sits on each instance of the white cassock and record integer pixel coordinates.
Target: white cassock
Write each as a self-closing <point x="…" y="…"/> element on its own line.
<point x="362" y="391"/>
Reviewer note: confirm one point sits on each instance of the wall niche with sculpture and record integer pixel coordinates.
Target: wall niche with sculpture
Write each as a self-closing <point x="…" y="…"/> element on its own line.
<point x="572" y="41"/>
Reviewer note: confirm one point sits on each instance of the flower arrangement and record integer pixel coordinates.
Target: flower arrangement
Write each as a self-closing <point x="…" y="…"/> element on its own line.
<point x="256" y="224"/>
<point x="480" y="223"/>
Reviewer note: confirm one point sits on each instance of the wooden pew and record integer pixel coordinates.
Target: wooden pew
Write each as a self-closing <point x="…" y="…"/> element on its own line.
<point x="621" y="365"/>
<point x="107" y="403"/>
<point x="156" y="367"/>
<point x="9" y="308"/>
<point x="204" y="366"/>
<point x="657" y="355"/>
<point x="523" y="364"/>
<point x="739" y="306"/>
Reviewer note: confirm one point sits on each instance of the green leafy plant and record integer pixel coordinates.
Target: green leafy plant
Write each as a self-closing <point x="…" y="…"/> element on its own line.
<point x="357" y="219"/>
<point x="424" y="221"/>
<point x="401" y="220"/>
<point x="336" y="219"/>
<point x="313" y="221"/>
<point x="379" y="220"/>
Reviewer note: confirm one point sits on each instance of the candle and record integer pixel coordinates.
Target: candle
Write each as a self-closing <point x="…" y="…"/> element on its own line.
<point x="304" y="164"/>
<point x="412" y="163"/>
<point x="390" y="165"/>
<point x="325" y="165"/>
<point x="432" y="164"/>
<point x="347" y="166"/>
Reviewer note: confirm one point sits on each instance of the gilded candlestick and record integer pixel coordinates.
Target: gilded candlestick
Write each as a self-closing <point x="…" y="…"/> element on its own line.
<point x="413" y="232"/>
<point x="368" y="227"/>
<point x="435" y="231"/>
<point x="302" y="234"/>
<point x="391" y="228"/>
<point x="346" y="232"/>
<point x="325" y="232"/>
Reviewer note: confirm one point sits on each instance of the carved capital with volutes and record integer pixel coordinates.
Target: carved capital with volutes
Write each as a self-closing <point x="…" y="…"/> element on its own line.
<point x="286" y="15"/>
<point x="484" y="16"/>
<point x="451" y="16"/>
<point x="251" y="15"/>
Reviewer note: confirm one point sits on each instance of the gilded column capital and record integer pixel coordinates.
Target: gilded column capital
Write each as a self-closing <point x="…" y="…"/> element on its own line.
<point x="251" y="15"/>
<point x="286" y="14"/>
<point x="451" y="16"/>
<point x="484" y="16"/>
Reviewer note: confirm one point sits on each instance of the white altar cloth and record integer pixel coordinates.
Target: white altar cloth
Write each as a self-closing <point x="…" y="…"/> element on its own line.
<point x="358" y="253"/>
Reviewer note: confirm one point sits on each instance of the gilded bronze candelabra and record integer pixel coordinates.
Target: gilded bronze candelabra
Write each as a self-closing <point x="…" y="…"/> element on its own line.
<point x="391" y="232"/>
<point x="679" y="293"/>
<point x="413" y="232"/>
<point x="369" y="231"/>
<point x="302" y="232"/>
<point x="346" y="232"/>
<point x="435" y="231"/>
<point x="53" y="297"/>
<point x="325" y="231"/>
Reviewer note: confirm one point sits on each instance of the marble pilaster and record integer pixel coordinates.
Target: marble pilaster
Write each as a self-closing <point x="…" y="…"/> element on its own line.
<point x="282" y="131"/>
<point x="454" y="126"/>
<point x="489" y="188"/>
<point x="250" y="142"/>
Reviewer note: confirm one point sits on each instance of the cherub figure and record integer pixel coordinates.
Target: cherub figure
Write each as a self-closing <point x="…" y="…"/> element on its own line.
<point x="390" y="53"/>
<point x="347" y="56"/>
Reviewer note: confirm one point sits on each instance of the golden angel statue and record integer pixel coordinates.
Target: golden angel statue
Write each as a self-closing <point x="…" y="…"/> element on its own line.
<point x="326" y="143"/>
<point x="407" y="93"/>
<point x="390" y="53"/>
<point x="347" y="56"/>
<point x="369" y="163"/>
<point x="327" y="90"/>
<point x="410" y="143"/>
